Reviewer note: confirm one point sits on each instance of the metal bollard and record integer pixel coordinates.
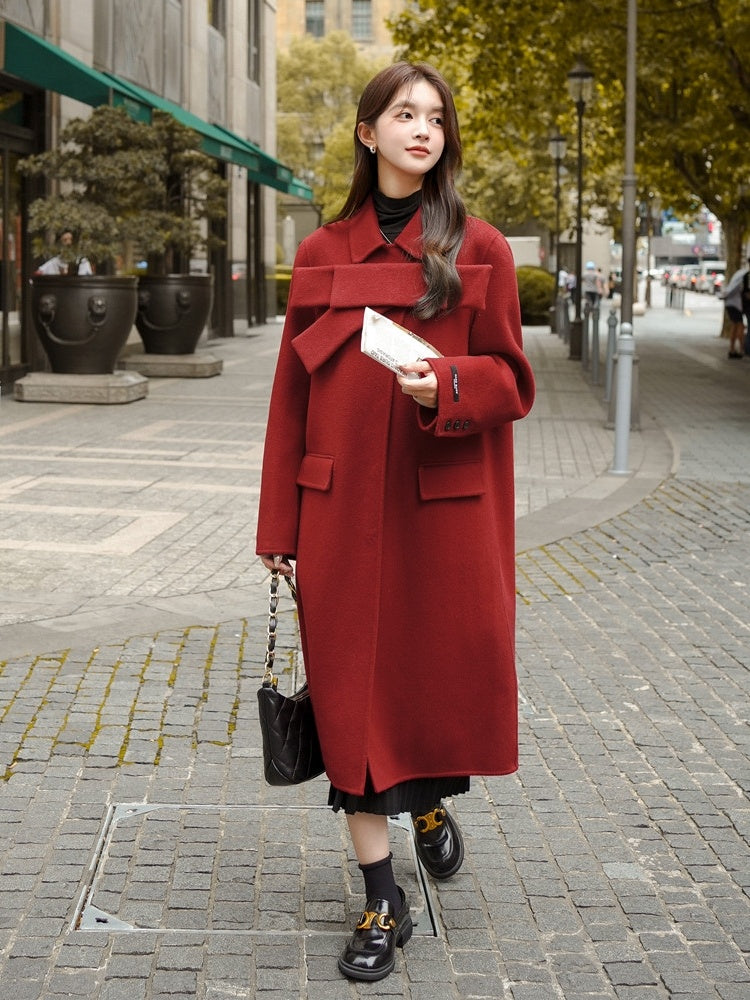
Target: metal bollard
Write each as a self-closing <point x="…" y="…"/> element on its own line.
<point x="563" y="326"/>
<point x="585" y="335"/>
<point x="595" y="345"/>
<point x="611" y="348"/>
<point x="561" y="307"/>
<point x="625" y="352"/>
<point x="675" y="297"/>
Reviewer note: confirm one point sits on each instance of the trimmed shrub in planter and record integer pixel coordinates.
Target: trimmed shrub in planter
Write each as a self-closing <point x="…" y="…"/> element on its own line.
<point x="125" y="187"/>
<point x="102" y="167"/>
<point x="173" y="308"/>
<point x="191" y="194"/>
<point x="536" y="291"/>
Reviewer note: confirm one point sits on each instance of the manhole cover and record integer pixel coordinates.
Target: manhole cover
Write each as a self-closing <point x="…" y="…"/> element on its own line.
<point x="236" y="869"/>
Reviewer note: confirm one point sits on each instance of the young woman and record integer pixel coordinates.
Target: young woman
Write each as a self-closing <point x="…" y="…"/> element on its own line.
<point x="394" y="494"/>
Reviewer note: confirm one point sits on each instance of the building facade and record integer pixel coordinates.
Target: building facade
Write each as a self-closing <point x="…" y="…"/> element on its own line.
<point x="364" y="20"/>
<point x="209" y="62"/>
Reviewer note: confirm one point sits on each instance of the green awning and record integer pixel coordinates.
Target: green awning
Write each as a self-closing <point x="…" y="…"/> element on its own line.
<point x="217" y="140"/>
<point x="38" y="61"/>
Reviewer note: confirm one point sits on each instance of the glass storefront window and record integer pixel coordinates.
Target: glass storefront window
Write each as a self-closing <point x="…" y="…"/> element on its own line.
<point x="11" y="242"/>
<point x="16" y="141"/>
<point x="12" y="107"/>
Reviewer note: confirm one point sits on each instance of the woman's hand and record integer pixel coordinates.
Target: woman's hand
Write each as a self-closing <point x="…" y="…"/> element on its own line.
<point x="424" y="389"/>
<point x="280" y="563"/>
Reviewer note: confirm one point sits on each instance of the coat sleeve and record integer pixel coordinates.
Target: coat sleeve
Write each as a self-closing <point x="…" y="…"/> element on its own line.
<point x="278" y="509"/>
<point x="493" y="384"/>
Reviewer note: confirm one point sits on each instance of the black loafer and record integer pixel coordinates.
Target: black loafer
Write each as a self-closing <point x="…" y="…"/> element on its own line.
<point x="371" y="952"/>
<point x="439" y="844"/>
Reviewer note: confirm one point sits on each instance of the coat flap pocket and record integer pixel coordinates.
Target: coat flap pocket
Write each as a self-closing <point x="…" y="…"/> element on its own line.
<point x="453" y="479"/>
<point x="316" y="472"/>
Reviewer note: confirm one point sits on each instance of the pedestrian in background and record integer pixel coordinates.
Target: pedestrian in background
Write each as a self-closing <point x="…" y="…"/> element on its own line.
<point x="57" y="265"/>
<point x="394" y="495"/>
<point x="591" y="286"/>
<point x="562" y="288"/>
<point x="746" y="304"/>
<point x="736" y="296"/>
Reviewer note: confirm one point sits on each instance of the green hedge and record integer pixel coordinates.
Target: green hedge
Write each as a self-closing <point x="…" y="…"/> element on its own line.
<point x="536" y="291"/>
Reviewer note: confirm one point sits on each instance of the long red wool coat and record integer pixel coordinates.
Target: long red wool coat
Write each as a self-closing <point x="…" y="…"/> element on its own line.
<point x="401" y="518"/>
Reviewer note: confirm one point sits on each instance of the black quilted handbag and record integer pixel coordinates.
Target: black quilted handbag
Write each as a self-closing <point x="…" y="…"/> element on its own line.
<point x="291" y="750"/>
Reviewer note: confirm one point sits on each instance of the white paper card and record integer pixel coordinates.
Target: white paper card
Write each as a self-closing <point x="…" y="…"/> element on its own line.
<point x="390" y="344"/>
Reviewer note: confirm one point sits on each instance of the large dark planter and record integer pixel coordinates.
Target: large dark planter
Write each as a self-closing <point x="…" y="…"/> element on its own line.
<point x="83" y="322"/>
<point x="172" y="311"/>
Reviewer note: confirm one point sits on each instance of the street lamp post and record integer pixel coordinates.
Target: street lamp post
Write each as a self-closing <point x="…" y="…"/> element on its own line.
<point x="580" y="86"/>
<point x="557" y="147"/>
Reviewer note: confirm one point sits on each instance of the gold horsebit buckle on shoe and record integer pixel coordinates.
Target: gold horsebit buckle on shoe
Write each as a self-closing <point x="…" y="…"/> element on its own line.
<point x="431" y="821"/>
<point x="383" y="921"/>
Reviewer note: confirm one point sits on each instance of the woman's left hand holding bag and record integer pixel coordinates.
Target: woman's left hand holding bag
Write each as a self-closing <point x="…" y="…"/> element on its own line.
<point x="281" y="564"/>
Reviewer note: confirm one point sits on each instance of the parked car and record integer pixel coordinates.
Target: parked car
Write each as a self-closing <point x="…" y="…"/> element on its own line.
<point x="708" y="274"/>
<point x="690" y="278"/>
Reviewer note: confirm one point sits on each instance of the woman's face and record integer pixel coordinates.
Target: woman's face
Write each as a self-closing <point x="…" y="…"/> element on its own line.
<point x="408" y="137"/>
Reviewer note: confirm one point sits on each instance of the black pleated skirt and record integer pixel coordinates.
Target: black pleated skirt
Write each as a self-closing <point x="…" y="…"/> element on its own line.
<point x="417" y="796"/>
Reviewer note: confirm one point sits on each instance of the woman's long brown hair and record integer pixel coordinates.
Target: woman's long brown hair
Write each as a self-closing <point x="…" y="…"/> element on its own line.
<point x="443" y="211"/>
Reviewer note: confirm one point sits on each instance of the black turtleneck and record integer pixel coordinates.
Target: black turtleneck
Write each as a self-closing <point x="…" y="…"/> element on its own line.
<point x="394" y="213"/>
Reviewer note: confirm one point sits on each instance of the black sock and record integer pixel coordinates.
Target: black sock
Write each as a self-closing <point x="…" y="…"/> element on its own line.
<point x="380" y="882"/>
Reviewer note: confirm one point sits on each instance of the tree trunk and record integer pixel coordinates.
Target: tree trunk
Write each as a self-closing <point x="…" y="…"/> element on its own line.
<point x="734" y="234"/>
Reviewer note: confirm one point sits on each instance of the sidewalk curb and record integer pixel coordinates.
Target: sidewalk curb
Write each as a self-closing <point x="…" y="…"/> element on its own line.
<point x="652" y="459"/>
<point x="113" y="621"/>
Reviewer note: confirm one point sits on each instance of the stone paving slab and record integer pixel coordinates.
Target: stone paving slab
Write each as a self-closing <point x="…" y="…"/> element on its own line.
<point x="219" y="869"/>
<point x="104" y="390"/>
<point x="202" y="364"/>
<point x="613" y="865"/>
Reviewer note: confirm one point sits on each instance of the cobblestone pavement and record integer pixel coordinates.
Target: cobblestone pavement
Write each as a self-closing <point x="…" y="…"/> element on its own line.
<point x="142" y="856"/>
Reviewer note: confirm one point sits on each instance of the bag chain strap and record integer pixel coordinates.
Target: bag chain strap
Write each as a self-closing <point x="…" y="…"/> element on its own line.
<point x="273" y="603"/>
